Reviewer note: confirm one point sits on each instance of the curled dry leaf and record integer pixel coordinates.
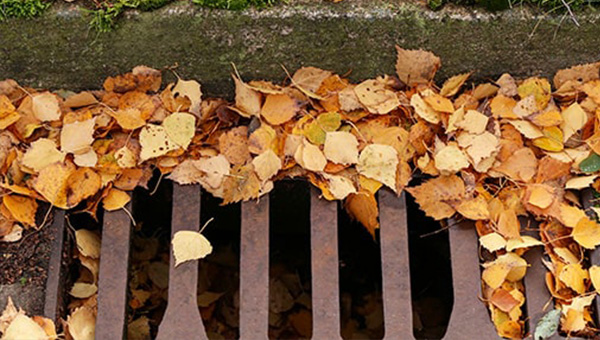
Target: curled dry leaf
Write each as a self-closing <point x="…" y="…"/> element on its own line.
<point x="189" y="245"/>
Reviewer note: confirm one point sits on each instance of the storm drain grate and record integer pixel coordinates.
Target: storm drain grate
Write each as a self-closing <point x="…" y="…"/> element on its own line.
<point x="469" y="318"/>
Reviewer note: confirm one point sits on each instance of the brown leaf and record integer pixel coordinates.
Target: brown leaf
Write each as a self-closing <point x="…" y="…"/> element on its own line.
<point x="362" y="207"/>
<point x="435" y="195"/>
<point x="416" y="66"/>
<point x="234" y="145"/>
<point x="279" y="108"/>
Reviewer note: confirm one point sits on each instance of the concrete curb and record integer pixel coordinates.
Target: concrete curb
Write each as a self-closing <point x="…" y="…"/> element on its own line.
<point x="59" y="50"/>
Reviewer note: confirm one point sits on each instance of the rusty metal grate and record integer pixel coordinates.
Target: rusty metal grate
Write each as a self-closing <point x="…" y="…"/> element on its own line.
<point x="469" y="319"/>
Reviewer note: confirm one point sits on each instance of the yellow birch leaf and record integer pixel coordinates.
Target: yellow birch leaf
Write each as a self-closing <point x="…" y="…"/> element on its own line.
<point x="474" y="122"/>
<point x="574" y="276"/>
<point x="423" y="110"/>
<point x="82" y="290"/>
<point x="23" y="327"/>
<point x="453" y="84"/>
<point x="42" y="153"/>
<point x="492" y="242"/>
<point x="246" y="99"/>
<point x="539" y="88"/>
<point x="379" y="162"/>
<point x="341" y="147"/>
<point x="450" y="159"/>
<point x="495" y="274"/>
<point x="580" y="182"/>
<point x="279" y="108"/>
<point x="83" y="183"/>
<point x="508" y="224"/>
<point x="375" y="97"/>
<point x="77" y="136"/>
<point x="527" y="129"/>
<point x="52" y="181"/>
<point x="369" y="184"/>
<point x="540" y="196"/>
<point x="88" y="243"/>
<point x="189" y="245"/>
<point x="310" y="157"/>
<point x="522" y="242"/>
<point x="180" y="128"/>
<point x="45" y="107"/>
<point x="546" y="118"/>
<point x="115" y="199"/>
<point x="552" y="140"/>
<point x="339" y="186"/>
<point x="595" y="277"/>
<point x="502" y="107"/>
<point x="566" y="255"/>
<point x="155" y="142"/>
<point x="439" y="103"/>
<point x="574" y="118"/>
<point x="570" y="215"/>
<point x="266" y="165"/>
<point x="587" y="233"/>
<point x="474" y="209"/>
<point x="129" y="118"/>
<point x="81" y="323"/>
<point x="21" y="208"/>
<point x="191" y="90"/>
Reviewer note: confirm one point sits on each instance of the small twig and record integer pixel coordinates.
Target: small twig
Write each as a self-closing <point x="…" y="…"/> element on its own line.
<point x="570" y="12"/>
<point x="130" y="216"/>
<point x="157" y="184"/>
<point x="206" y="224"/>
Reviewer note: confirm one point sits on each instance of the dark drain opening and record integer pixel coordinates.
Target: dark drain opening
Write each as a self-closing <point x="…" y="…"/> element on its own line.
<point x="430" y="273"/>
<point x="149" y="258"/>
<point x="219" y="273"/>
<point x="290" y="314"/>
<point x="360" y="280"/>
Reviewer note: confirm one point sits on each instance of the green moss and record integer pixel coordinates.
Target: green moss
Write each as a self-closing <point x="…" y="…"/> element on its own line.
<point x="233" y="4"/>
<point x="22" y="8"/>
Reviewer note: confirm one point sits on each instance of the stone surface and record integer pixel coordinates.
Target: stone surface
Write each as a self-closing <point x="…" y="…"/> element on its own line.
<point x="59" y="50"/>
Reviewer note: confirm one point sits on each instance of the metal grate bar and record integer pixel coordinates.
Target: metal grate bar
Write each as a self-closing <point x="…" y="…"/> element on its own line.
<point x="397" y="304"/>
<point x="470" y="318"/>
<point x="182" y="318"/>
<point x="53" y="303"/>
<point x="587" y="199"/>
<point x="325" y="267"/>
<point x="536" y="293"/>
<point x="112" y="280"/>
<point x="254" y="270"/>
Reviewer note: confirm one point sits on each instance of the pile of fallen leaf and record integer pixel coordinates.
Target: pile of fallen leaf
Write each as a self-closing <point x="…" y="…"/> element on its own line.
<point x="492" y="152"/>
